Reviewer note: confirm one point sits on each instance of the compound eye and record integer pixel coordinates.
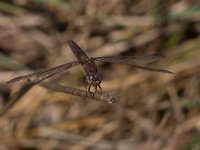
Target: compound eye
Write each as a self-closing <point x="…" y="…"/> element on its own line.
<point x="91" y="77"/>
<point x="98" y="76"/>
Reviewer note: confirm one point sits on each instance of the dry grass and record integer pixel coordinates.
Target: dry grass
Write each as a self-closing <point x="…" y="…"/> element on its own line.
<point x="152" y="110"/>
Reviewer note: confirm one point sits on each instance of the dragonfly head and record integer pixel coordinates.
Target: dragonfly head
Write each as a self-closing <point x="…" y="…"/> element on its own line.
<point x="94" y="80"/>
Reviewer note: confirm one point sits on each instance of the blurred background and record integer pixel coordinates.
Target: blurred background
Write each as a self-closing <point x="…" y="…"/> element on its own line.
<point x="152" y="110"/>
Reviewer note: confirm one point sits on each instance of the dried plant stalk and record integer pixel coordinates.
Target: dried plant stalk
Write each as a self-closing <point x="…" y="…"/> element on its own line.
<point x="78" y="92"/>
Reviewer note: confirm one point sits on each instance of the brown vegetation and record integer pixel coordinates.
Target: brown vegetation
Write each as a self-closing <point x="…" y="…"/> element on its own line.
<point x="152" y="110"/>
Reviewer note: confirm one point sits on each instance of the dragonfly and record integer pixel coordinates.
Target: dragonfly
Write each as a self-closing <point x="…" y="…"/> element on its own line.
<point x="92" y="75"/>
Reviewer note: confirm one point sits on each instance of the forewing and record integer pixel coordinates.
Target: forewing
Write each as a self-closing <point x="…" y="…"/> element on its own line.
<point x="130" y="60"/>
<point x="78" y="52"/>
<point x="45" y="74"/>
<point x="139" y="62"/>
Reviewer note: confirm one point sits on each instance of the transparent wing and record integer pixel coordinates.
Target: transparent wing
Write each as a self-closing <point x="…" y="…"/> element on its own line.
<point x="139" y="62"/>
<point x="42" y="75"/>
<point x="130" y="60"/>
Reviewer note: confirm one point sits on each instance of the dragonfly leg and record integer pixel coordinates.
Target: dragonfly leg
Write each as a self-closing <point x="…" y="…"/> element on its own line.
<point x="95" y="89"/>
<point x="88" y="86"/>
<point x="89" y="92"/>
<point x="86" y="92"/>
<point x="100" y="88"/>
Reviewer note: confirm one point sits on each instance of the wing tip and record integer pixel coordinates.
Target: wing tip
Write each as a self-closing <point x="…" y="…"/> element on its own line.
<point x="71" y="43"/>
<point x="169" y="72"/>
<point x="14" y="80"/>
<point x="163" y="71"/>
<point x="10" y="81"/>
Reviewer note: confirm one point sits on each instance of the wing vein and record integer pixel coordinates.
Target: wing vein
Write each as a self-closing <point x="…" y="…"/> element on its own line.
<point x="44" y="74"/>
